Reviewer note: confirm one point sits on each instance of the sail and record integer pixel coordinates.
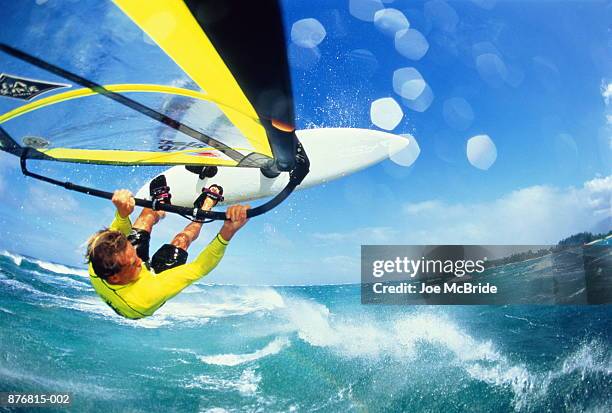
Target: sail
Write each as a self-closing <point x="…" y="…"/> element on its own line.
<point x="156" y="82"/>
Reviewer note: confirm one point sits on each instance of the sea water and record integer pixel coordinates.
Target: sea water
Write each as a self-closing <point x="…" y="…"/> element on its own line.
<point x="218" y="348"/>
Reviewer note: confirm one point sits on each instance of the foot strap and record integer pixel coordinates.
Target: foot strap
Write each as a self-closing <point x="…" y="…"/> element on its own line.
<point x="208" y="193"/>
<point x="160" y="191"/>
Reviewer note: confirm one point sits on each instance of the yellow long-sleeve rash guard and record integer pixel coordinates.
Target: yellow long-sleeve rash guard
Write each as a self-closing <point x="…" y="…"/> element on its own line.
<point x="144" y="296"/>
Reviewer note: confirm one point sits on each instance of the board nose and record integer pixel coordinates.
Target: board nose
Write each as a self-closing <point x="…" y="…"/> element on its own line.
<point x="377" y="144"/>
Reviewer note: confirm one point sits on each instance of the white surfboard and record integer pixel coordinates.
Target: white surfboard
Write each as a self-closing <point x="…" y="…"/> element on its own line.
<point x="333" y="153"/>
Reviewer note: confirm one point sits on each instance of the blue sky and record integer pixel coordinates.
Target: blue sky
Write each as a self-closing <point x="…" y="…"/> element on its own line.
<point x="533" y="76"/>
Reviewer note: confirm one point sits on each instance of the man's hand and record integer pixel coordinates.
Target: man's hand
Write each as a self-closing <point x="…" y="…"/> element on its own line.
<point x="236" y="218"/>
<point x="124" y="202"/>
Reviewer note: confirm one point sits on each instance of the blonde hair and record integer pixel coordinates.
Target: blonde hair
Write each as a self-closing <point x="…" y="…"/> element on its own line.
<point x="102" y="250"/>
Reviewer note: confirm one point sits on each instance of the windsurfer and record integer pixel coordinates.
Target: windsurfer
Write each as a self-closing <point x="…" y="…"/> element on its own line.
<point x="119" y="256"/>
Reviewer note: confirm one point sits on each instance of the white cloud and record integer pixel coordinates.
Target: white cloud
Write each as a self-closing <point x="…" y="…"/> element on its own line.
<point x="600" y="195"/>
<point x="422" y="207"/>
<point x="535" y="215"/>
<point x="606" y="91"/>
<point x="367" y="235"/>
<point x="342" y="264"/>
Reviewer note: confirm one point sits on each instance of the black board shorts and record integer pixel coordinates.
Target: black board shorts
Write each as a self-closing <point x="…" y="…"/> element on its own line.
<point x="167" y="256"/>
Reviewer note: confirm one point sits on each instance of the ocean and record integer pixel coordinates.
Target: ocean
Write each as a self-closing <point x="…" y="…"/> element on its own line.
<point x="218" y="348"/>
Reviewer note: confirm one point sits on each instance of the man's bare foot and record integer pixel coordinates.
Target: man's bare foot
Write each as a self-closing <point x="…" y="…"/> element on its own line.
<point x="209" y="202"/>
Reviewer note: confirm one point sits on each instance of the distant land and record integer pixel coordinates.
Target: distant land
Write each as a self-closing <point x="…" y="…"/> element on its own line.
<point x="579" y="239"/>
<point x="582" y="238"/>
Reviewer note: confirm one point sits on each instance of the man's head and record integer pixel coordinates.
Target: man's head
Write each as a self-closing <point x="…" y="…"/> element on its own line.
<point x="113" y="258"/>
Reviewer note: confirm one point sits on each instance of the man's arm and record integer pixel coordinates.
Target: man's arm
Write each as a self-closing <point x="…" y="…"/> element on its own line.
<point x="211" y="256"/>
<point x="156" y="290"/>
<point x="124" y="202"/>
<point x="236" y="219"/>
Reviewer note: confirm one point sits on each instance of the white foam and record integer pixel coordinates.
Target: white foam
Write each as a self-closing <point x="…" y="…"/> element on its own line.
<point x="7" y="311"/>
<point x="25" y="287"/>
<point x="481" y="151"/>
<point x="95" y="306"/>
<point x="590" y="357"/>
<point x="435" y="329"/>
<point x="246" y="384"/>
<point x="61" y="280"/>
<point x="521" y="319"/>
<point x="308" y="33"/>
<point x="217" y="303"/>
<point x="315" y="325"/>
<point x="523" y="385"/>
<point x="402" y="339"/>
<point x="197" y="310"/>
<point x="17" y="259"/>
<point x="405" y="338"/>
<point x="49" y="266"/>
<point x="35" y="380"/>
<point x="92" y="305"/>
<point x="222" y="302"/>
<point x="274" y="347"/>
<point x="60" y="269"/>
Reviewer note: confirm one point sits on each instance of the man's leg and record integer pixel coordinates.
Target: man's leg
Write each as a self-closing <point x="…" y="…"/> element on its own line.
<point x="175" y="253"/>
<point x="189" y="234"/>
<point x="147" y="219"/>
<point x="140" y="236"/>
